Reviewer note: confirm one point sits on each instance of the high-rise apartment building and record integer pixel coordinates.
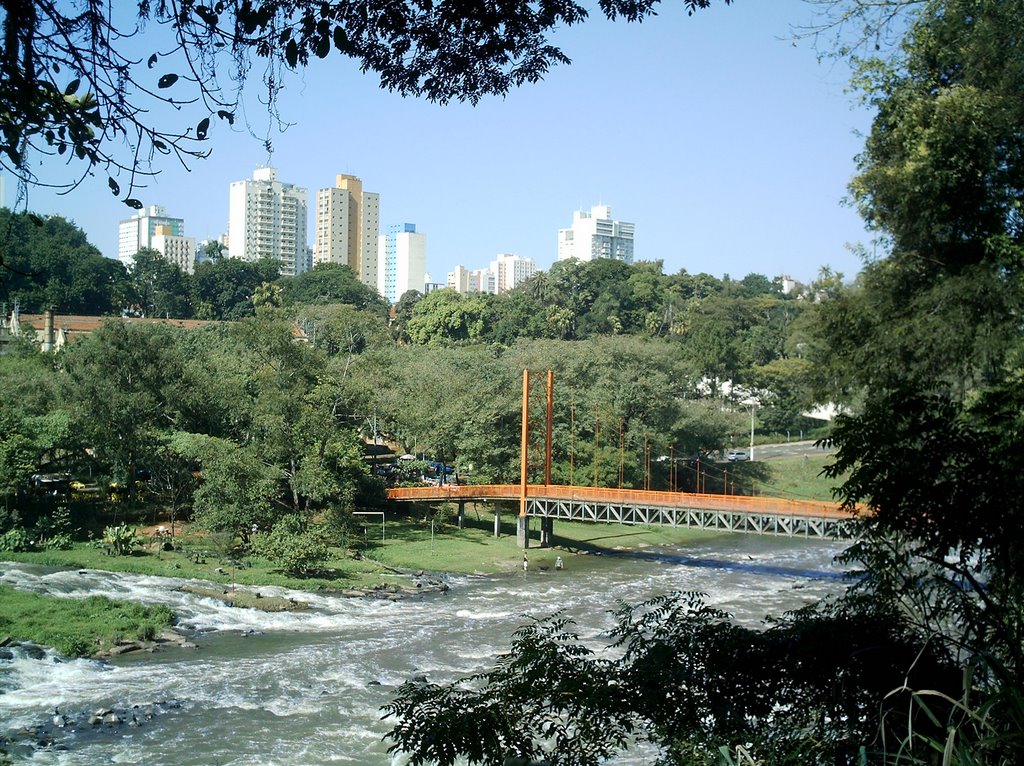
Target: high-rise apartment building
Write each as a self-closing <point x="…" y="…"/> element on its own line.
<point x="179" y="250"/>
<point x="137" y="232"/>
<point x="347" y="227"/>
<point x="401" y="261"/>
<point x="511" y="270"/>
<point x="505" y="272"/>
<point x="268" y="219"/>
<point x="596" y="235"/>
<point x="462" y="280"/>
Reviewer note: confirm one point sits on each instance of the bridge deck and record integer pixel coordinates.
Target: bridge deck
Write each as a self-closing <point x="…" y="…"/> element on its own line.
<point x="736" y="513"/>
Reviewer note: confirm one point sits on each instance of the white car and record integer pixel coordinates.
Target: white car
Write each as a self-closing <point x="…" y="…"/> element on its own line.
<point x="737" y="455"/>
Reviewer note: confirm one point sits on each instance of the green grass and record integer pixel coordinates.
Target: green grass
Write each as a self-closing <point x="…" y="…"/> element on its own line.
<point x="799" y="478"/>
<point x="205" y="564"/>
<point x="475" y="550"/>
<point x="77" y="627"/>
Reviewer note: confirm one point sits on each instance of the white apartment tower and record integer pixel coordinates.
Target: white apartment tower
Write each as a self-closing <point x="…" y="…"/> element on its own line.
<point x="401" y="261"/>
<point x="511" y="270"/>
<point x="462" y="280"/>
<point x="137" y="232"/>
<point x="596" y="235"/>
<point x="347" y="227"/>
<point x="268" y="219"/>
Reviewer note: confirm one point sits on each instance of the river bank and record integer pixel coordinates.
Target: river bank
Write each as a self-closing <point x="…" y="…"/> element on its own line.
<point x="411" y="559"/>
<point x="305" y="687"/>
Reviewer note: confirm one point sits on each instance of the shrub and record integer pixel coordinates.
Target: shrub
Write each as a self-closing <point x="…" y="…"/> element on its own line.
<point x="72" y="646"/>
<point x="294" y="545"/>
<point x="56" y="524"/>
<point x="445" y="514"/>
<point x="120" y="540"/>
<point x="16" y="540"/>
<point x="59" y="542"/>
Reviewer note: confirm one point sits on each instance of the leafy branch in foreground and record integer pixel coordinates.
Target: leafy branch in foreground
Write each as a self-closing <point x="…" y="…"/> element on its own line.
<point x="102" y="86"/>
<point x="682" y="676"/>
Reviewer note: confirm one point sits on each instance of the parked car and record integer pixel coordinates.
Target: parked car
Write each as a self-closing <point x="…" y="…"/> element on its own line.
<point x="736" y="455"/>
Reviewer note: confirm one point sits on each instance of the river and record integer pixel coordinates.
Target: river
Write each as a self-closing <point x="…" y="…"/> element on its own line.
<point x="305" y="688"/>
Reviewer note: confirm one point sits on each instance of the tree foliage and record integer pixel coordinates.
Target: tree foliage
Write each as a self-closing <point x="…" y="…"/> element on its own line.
<point x="294" y="544"/>
<point x="126" y="381"/>
<point x="49" y="263"/>
<point x="32" y="423"/>
<point x="332" y="283"/>
<point x="942" y="169"/>
<point x="932" y="338"/>
<point x="224" y="288"/>
<point x="159" y="289"/>
<point x="682" y="676"/>
<point x="238" y="491"/>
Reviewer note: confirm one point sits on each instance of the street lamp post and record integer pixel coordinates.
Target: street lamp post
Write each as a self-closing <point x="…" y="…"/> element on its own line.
<point x="752" y="432"/>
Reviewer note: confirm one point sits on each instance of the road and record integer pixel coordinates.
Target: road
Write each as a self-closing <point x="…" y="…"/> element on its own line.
<point x="786" y="449"/>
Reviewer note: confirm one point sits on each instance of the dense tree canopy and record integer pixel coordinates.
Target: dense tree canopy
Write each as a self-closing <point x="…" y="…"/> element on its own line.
<point x="49" y="263"/>
<point x="942" y="171"/>
<point x="932" y="334"/>
<point x="332" y="283"/>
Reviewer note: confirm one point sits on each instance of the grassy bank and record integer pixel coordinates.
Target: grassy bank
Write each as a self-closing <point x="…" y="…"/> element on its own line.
<point x="78" y="627"/>
<point x="409" y="544"/>
<point x="799" y="478"/>
<point x="195" y="561"/>
<point x="474" y="550"/>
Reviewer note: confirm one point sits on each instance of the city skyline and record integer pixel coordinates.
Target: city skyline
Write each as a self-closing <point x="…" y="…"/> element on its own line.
<point x="727" y="145"/>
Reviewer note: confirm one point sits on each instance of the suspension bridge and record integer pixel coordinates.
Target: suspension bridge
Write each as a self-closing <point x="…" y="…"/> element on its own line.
<point x="548" y="501"/>
<point x="731" y="513"/>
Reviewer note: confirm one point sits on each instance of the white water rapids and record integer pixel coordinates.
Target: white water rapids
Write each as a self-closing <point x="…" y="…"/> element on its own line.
<point x="305" y="688"/>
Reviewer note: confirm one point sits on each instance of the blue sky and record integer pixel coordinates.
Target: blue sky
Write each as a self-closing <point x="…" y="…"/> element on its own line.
<point x="729" y="146"/>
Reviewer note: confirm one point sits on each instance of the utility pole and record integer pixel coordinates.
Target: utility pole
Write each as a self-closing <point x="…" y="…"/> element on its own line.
<point x="522" y="523"/>
<point x="752" y="432"/>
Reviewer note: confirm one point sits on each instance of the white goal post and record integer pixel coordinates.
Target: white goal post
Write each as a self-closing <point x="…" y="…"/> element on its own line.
<point x="373" y="513"/>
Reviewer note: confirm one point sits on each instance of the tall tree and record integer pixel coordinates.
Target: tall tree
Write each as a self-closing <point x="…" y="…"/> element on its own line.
<point x="124" y="382"/>
<point x="341" y="329"/>
<point x="49" y="263"/>
<point x="445" y="317"/>
<point x="33" y="424"/>
<point x="159" y="287"/>
<point x="332" y="283"/>
<point x="224" y="288"/>
<point x="932" y="338"/>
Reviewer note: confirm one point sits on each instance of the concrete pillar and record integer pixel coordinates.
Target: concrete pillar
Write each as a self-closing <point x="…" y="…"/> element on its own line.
<point x="48" y="336"/>
<point x="523" y="532"/>
<point x="497" y="523"/>
<point x="462" y="514"/>
<point x="547" y="528"/>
